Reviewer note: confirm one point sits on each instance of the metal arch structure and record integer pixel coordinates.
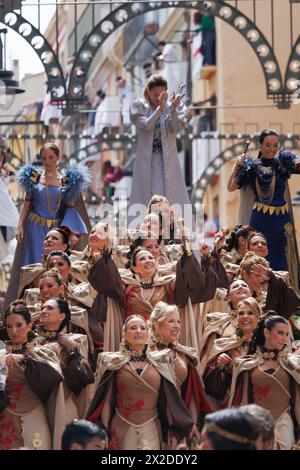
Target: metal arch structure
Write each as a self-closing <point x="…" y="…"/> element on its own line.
<point x="122" y="143"/>
<point x="200" y="187"/>
<point x="55" y="76"/>
<point x="292" y="74"/>
<point x="220" y="9"/>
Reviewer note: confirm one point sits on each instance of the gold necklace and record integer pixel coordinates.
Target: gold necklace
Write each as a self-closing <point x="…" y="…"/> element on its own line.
<point x="53" y="208"/>
<point x="265" y="195"/>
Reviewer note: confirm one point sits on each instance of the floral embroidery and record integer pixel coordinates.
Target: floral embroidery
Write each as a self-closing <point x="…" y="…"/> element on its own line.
<point x="260" y="392"/>
<point x="8" y="433"/>
<point x="125" y="402"/>
<point x="14" y="392"/>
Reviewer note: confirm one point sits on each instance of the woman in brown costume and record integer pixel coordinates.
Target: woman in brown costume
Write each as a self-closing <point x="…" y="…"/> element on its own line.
<point x="30" y="399"/>
<point x="53" y="330"/>
<point x="217" y="375"/>
<point x="136" y="398"/>
<point x="270" y="377"/>
<point x="139" y="289"/>
<point x="224" y="322"/>
<point x="270" y="290"/>
<point x="51" y="286"/>
<point x="164" y="331"/>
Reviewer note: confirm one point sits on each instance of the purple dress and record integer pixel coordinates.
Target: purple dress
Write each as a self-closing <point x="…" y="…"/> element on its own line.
<point x="50" y="207"/>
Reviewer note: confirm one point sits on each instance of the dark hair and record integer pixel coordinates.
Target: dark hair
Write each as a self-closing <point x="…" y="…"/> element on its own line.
<point x="59" y="253"/>
<point x="266" y="133"/>
<point x="53" y="273"/>
<point x="65" y="235"/>
<point x="49" y="146"/>
<point x="63" y="307"/>
<point x="255" y="234"/>
<point x="238" y="231"/>
<point x="153" y="82"/>
<point x="258" y="338"/>
<point x="80" y="432"/>
<point x="235" y="423"/>
<point x="19" y="307"/>
<point x="135" y="252"/>
<point x="137" y="241"/>
<point x="263" y="419"/>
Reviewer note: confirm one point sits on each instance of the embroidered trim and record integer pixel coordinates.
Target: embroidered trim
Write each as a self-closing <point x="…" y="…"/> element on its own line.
<point x="259" y="206"/>
<point x="42" y="221"/>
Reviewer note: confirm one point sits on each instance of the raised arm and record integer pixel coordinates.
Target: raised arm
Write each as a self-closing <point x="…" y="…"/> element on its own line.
<point x="232" y="184"/>
<point x="139" y="118"/>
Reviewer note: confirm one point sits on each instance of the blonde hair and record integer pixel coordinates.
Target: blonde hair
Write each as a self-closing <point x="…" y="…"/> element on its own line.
<point x="123" y="344"/>
<point x="253" y="304"/>
<point x="250" y="259"/>
<point x="160" y="313"/>
<point x="110" y="234"/>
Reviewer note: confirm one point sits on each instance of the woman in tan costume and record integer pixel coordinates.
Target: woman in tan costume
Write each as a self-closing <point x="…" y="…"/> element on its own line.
<point x="51" y="286"/>
<point x="222" y="323"/>
<point x="270" y="377"/>
<point x="136" y="397"/>
<point x="32" y="396"/>
<point x="53" y="330"/>
<point x="217" y="375"/>
<point x="139" y="289"/>
<point x="164" y="331"/>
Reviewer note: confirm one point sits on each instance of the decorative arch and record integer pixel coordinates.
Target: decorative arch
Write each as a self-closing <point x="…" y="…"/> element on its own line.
<point x="228" y="154"/>
<point x="292" y="74"/>
<point x="113" y="142"/>
<point x="41" y="46"/>
<point x="127" y="12"/>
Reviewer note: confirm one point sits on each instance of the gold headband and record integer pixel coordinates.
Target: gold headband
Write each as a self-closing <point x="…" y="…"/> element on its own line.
<point x="212" y="427"/>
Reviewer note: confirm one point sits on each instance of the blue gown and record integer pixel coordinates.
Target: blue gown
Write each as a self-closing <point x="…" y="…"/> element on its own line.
<point x="270" y="217"/>
<point x="50" y="207"/>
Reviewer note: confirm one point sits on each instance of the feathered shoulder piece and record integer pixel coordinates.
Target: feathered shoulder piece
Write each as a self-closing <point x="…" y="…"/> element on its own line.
<point x="28" y="177"/>
<point x="247" y="172"/>
<point x="286" y="162"/>
<point x="75" y="180"/>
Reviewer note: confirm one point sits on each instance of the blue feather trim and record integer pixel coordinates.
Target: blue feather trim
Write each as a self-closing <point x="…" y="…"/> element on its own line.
<point x="76" y="179"/>
<point x="246" y="174"/>
<point x="28" y="177"/>
<point x="284" y="165"/>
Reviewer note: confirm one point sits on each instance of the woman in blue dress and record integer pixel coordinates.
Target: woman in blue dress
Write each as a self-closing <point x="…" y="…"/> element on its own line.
<point x="271" y="215"/>
<point x="49" y="202"/>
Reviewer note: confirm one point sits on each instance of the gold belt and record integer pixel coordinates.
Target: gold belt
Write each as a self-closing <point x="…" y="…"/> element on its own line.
<point x="259" y="206"/>
<point x="42" y="221"/>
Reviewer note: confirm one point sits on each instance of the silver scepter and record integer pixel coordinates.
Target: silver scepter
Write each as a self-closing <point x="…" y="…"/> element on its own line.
<point x="181" y="92"/>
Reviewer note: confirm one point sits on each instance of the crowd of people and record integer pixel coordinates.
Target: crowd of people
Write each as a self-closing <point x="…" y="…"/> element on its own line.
<point x="136" y="343"/>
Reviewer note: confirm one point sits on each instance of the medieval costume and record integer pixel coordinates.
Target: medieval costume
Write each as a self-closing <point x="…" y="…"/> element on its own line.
<point x="76" y="399"/>
<point x="217" y="380"/>
<point x="51" y="207"/>
<point x="121" y="294"/>
<point x="31" y="403"/>
<point x="140" y="408"/>
<point x="188" y="379"/>
<point x="277" y="390"/>
<point x="271" y="214"/>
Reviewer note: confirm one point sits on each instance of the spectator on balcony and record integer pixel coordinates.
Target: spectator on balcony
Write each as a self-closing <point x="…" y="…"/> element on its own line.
<point x="206" y="25"/>
<point x="125" y="95"/>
